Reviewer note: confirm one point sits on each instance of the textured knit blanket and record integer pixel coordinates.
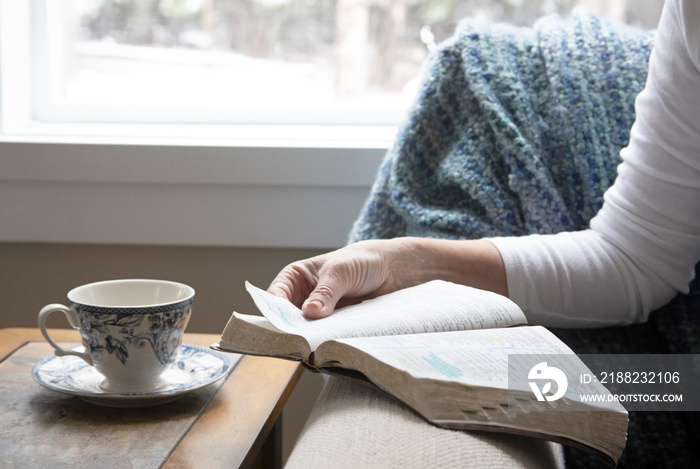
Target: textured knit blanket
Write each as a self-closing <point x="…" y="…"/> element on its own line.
<point x="514" y="131"/>
<point x="518" y="131"/>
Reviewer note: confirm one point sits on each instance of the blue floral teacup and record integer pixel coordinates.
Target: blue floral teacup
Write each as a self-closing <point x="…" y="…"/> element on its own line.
<point x="131" y="329"/>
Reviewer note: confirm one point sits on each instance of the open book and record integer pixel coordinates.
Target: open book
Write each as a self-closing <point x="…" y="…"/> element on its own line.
<point x="449" y="352"/>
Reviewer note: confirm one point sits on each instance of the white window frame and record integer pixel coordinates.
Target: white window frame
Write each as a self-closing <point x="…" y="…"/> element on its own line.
<point x="214" y="185"/>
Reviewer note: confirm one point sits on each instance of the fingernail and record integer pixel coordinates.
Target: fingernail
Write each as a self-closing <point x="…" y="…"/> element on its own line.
<point x="312" y="306"/>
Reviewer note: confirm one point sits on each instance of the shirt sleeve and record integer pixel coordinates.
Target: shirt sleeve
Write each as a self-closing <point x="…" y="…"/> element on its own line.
<point x="642" y="246"/>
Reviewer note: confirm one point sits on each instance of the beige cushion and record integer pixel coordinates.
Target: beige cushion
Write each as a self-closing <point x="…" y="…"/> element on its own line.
<point x="355" y="425"/>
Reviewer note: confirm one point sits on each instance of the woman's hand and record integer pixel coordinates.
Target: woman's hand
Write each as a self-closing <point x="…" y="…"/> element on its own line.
<point x="359" y="270"/>
<point x="368" y="269"/>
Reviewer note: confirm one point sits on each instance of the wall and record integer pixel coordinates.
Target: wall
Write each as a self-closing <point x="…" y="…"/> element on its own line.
<point x="33" y="275"/>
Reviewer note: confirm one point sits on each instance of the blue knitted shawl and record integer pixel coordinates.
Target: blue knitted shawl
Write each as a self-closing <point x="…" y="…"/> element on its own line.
<point x="514" y="131"/>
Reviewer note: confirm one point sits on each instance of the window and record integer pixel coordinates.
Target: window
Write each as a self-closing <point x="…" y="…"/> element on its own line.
<point x="120" y="119"/>
<point x="248" y="61"/>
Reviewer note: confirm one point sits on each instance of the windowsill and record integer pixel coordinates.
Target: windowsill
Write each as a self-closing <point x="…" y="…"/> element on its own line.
<point x="263" y="135"/>
<point x="188" y="185"/>
<point x="328" y="156"/>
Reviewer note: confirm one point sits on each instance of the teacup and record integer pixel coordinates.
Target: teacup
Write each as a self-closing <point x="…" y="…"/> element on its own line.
<point x="131" y="329"/>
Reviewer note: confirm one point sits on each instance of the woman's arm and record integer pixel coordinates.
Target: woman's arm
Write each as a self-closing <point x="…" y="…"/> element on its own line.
<point x="645" y="241"/>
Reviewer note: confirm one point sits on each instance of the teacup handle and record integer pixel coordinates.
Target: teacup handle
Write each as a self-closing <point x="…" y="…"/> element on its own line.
<point x="73" y="319"/>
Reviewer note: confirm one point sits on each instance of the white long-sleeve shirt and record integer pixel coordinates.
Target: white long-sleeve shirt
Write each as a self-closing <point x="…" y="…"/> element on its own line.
<point x="641" y="247"/>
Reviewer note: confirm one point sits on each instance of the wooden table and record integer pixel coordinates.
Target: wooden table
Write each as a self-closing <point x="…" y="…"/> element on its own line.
<point x="239" y="427"/>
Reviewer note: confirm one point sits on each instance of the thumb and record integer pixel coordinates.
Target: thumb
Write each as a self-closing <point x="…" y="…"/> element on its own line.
<point x="321" y="302"/>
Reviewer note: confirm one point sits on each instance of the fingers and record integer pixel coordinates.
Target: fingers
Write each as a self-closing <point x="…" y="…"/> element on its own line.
<point x="316" y="285"/>
<point x="342" y="275"/>
<point x="295" y="282"/>
<point x="311" y="286"/>
<point x="281" y="289"/>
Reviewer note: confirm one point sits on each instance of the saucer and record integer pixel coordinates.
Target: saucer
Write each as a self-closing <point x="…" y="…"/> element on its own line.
<point x="194" y="368"/>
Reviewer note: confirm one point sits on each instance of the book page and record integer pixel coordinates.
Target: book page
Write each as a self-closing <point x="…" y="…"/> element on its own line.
<point x="481" y="358"/>
<point x="477" y="357"/>
<point x="435" y="306"/>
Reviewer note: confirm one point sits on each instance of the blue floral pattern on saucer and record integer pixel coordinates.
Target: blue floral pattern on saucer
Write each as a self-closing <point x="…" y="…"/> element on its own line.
<point x="194" y="368"/>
